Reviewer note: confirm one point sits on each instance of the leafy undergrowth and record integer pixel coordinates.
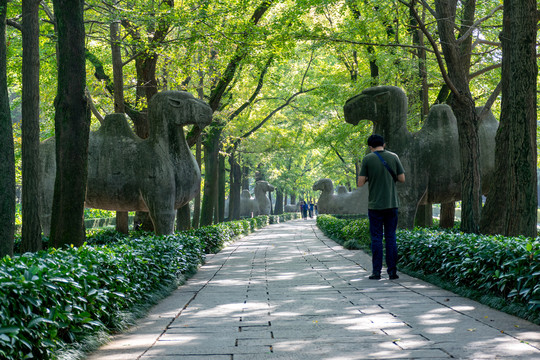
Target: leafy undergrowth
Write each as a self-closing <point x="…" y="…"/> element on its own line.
<point x="502" y="272"/>
<point x="58" y="301"/>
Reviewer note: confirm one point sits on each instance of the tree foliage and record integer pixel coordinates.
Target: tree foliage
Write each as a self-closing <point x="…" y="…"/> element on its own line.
<point x="276" y="72"/>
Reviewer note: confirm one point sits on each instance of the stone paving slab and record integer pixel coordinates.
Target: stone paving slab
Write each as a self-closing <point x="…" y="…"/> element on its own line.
<point x="288" y="292"/>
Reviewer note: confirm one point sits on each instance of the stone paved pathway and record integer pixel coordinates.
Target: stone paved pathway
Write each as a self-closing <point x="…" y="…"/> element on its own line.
<point x="288" y="292"/>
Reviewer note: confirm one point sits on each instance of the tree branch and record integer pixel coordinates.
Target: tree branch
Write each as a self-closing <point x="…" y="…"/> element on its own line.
<point x="93" y="108"/>
<point x="476" y="23"/>
<point x="219" y="90"/>
<point x="276" y="110"/>
<point x="48" y="11"/>
<point x="438" y="55"/>
<point x="256" y="92"/>
<point x="491" y="100"/>
<point x="14" y="24"/>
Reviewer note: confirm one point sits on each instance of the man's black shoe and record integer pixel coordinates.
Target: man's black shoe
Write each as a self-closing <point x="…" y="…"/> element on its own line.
<point x="375" y="277"/>
<point x="394" y="276"/>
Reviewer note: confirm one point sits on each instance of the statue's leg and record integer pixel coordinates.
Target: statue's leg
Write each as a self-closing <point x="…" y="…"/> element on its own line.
<point x="424" y="216"/>
<point x="406" y="216"/>
<point x="163" y="221"/>
<point x="160" y="203"/>
<point x="448" y="213"/>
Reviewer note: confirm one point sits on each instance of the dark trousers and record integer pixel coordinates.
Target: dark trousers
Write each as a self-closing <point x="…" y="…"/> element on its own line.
<point x="383" y="222"/>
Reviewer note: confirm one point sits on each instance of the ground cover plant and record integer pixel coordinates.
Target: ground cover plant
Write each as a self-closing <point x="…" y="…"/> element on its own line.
<point x="503" y="272"/>
<point x="55" y="300"/>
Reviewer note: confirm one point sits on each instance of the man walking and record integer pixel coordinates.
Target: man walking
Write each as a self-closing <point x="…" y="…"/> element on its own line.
<point x="381" y="169"/>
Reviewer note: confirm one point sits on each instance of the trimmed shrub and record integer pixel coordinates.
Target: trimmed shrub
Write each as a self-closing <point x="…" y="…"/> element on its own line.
<point x="498" y="265"/>
<point x="58" y="297"/>
<point x="352" y="234"/>
<point x="53" y="300"/>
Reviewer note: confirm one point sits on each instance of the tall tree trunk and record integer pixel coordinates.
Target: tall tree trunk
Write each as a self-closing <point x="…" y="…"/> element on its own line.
<point x="235" y="188"/>
<point x="512" y="200"/>
<point x="122" y="217"/>
<point x="7" y="156"/>
<point x="279" y="202"/>
<point x="221" y="189"/>
<point x="146" y="75"/>
<point x="197" y="200"/>
<point x="72" y="127"/>
<point x="245" y="178"/>
<point x="211" y="151"/>
<point x="31" y="228"/>
<point x="420" y="52"/>
<point x="457" y="58"/>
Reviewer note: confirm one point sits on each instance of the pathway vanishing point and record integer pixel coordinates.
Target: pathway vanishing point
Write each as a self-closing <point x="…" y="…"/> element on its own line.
<point x="289" y="292"/>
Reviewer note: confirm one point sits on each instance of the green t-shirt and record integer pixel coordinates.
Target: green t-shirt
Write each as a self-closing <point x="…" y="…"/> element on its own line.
<point x="382" y="188"/>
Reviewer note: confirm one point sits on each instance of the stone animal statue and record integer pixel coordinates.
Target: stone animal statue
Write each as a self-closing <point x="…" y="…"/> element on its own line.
<point x="292" y="207"/>
<point x="260" y="205"/>
<point x="344" y="202"/>
<point x="430" y="156"/>
<point x="248" y="205"/>
<point x="261" y="188"/>
<point x="126" y="173"/>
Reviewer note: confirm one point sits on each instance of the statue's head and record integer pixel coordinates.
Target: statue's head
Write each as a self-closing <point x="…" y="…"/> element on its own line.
<point x="180" y="108"/>
<point x="374" y="104"/>
<point x="324" y="185"/>
<point x="264" y="186"/>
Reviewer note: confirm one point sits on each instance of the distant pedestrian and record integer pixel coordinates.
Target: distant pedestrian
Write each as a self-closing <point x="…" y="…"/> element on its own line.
<point x="304" y="210"/>
<point x="382" y="169"/>
<point x="311" y="209"/>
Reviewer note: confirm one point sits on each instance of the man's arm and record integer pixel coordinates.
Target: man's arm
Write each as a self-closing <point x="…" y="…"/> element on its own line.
<point x="400" y="178"/>
<point x="362" y="180"/>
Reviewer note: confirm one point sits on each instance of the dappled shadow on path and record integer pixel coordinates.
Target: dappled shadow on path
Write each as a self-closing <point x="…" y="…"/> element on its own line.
<point x="286" y="292"/>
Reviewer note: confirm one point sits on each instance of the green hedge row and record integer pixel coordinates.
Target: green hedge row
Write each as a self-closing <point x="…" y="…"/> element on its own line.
<point x="54" y="299"/>
<point x="504" y="266"/>
<point x="500" y="266"/>
<point x="352" y="233"/>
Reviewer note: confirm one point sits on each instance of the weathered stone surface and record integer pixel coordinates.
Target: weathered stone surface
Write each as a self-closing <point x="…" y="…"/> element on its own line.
<point x="260" y="205"/>
<point x="126" y="173"/>
<point x="248" y="205"/>
<point x="430" y="156"/>
<point x="261" y="188"/>
<point x="292" y="207"/>
<point x="344" y="202"/>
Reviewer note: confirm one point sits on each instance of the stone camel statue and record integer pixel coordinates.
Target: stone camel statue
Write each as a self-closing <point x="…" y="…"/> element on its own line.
<point x="430" y="156"/>
<point x="344" y="202"/>
<point x="126" y="173"/>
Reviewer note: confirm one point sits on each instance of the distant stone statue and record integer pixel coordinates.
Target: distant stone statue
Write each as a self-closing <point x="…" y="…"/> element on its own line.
<point x="260" y="205"/>
<point x="126" y="173"/>
<point x="261" y="188"/>
<point x="430" y="156"/>
<point x="344" y="202"/>
<point x="292" y="207"/>
<point x="248" y="205"/>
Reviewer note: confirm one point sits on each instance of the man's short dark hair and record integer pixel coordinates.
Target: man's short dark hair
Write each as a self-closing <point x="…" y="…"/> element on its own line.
<point x="375" y="140"/>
